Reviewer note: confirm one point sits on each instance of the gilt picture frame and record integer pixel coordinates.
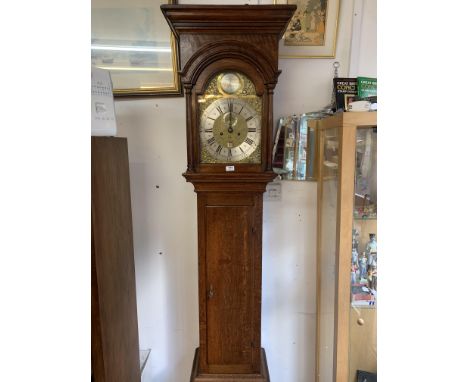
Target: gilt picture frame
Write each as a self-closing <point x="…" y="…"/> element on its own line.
<point x="312" y="31"/>
<point x="132" y="40"/>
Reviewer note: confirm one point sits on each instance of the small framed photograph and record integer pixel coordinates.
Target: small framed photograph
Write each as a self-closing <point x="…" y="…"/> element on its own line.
<point x="133" y="41"/>
<point x="348" y="98"/>
<point x="312" y="30"/>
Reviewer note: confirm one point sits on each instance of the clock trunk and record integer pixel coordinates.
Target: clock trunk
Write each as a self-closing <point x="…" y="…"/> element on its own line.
<point x="229" y="233"/>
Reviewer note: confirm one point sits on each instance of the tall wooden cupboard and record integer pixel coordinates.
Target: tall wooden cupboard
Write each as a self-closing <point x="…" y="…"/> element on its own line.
<point x="346" y="260"/>
<point x="114" y="343"/>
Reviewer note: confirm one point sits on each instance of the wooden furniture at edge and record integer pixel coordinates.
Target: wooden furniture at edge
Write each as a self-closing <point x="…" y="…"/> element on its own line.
<point x="114" y="327"/>
<point x="346" y="124"/>
<point x="242" y="39"/>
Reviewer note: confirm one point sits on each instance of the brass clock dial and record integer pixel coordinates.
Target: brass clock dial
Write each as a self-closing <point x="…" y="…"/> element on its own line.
<point x="230" y="120"/>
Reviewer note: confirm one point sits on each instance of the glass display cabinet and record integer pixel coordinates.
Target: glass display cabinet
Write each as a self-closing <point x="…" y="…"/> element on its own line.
<point x="347" y="248"/>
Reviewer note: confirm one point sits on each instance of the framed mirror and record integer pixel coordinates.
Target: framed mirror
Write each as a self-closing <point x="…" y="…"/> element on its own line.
<point x="132" y="40"/>
<point x="295" y="147"/>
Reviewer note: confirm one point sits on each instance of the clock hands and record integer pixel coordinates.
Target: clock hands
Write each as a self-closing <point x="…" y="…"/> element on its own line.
<point x="230" y="129"/>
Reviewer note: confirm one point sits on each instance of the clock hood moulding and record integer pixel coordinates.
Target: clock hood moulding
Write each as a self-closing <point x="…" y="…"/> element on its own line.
<point x="208" y="27"/>
<point x="269" y="19"/>
<point x="217" y="38"/>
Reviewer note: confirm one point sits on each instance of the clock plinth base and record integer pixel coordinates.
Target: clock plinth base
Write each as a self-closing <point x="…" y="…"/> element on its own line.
<point x="264" y="376"/>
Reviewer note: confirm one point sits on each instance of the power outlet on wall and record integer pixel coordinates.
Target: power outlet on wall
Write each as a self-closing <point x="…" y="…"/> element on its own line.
<point x="273" y="192"/>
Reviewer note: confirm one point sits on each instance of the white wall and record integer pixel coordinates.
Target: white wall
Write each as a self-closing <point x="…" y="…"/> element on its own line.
<point x="164" y="220"/>
<point x="165" y="238"/>
<point x="363" y="61"/>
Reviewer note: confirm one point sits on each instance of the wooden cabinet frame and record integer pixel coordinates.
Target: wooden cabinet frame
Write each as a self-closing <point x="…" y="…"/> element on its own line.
<point x="346" y="125"/>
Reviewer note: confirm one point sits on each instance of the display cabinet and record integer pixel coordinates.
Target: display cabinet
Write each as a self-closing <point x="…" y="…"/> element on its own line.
<point x="346" y="343"/>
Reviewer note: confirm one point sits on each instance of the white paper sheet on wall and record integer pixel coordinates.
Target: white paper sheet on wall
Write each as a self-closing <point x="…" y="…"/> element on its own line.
<point x="102" y="104"/>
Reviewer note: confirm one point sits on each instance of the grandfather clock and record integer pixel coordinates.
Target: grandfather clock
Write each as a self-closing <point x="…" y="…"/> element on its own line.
<point x="229" y="69"/>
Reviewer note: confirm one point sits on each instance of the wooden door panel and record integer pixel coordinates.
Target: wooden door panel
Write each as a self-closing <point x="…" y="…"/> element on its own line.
<point x="229" y="286"/>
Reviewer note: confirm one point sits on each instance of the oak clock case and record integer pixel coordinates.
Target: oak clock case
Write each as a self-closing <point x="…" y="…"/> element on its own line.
<point x="229" y="69"/>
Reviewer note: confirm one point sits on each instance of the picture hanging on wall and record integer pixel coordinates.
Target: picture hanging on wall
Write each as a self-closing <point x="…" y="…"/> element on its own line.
<point x="312" y="30"/>
<point x="132" y="40"/>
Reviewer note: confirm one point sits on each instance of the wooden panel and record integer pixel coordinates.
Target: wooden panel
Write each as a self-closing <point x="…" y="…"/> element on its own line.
<point x="115" y="350"/>
<point x="357" y="119"/>
<point x="363" y="342"/>
<point x="229" y="282"/>
<point x="229" y="227"/>
<point x="327" y="215"/>
<point x="229" y="307"/>
<point x="344" y="246"/>
<point x="267" y="44"/>
<point x="98" y="371"/>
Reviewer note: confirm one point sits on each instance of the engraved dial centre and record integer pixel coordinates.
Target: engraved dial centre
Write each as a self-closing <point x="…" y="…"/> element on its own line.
<point x="230" y="129"/>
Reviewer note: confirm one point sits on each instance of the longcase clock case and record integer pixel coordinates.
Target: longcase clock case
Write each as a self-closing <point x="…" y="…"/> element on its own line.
<point x="213" y="40"/>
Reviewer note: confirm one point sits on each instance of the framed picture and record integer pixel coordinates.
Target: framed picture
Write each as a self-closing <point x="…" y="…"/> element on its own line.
<point x="348" y="98"/>
<point x="132" y="40"/>
<point x="312" y="30"/>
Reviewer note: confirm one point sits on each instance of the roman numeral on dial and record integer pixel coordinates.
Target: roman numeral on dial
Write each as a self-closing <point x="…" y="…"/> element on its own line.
<point x="218" y="150"/>
<point x="249" y="141"/>
<point x="211" y="140"/>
